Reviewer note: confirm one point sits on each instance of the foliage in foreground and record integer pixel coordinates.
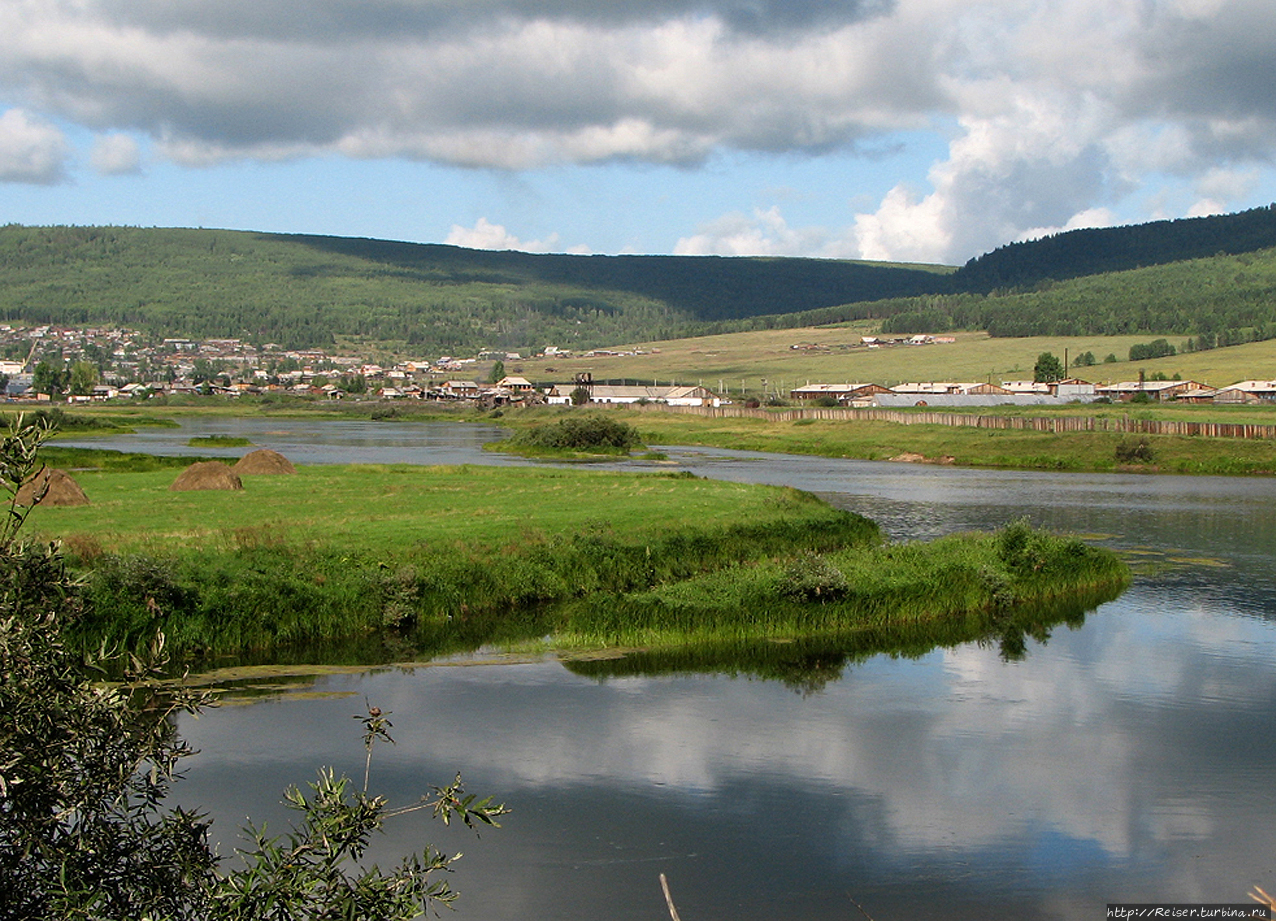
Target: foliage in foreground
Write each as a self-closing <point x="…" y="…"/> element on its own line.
<point x="85" y="767"/>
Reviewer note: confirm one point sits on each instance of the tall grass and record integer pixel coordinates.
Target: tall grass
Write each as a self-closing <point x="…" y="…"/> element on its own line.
<point x="807" y="662"/>
<point x="963" y="579"/>
<point x="259" y="593"/>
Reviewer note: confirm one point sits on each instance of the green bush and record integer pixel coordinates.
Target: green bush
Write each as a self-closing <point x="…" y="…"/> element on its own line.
<point x="810" y="577"/>
<point x="580" y="433"/>
<point x="1129" y="451"/>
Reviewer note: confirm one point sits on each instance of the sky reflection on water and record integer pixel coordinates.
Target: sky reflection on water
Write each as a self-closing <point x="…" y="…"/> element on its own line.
<point x="1132" y="759"/>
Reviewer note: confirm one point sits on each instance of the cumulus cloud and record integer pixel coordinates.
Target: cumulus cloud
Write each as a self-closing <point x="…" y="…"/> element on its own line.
<point x="1061" y="108"/>
<point x="764" y="233"/>
<point x="486" y="235"/>
<point x="31" y="150"/>
<point x="116" y="155"/>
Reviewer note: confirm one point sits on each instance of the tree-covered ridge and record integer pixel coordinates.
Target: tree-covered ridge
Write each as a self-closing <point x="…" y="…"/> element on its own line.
<point x="1222" y="300"/>
<point x="1095" y="251"/>
<point x="303" y="291"/>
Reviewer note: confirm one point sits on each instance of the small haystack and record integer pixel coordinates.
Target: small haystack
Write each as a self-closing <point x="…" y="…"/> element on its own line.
<point x="207" y="475"/>
<point x="58" y="486"/>
<point x="263" y="461"/>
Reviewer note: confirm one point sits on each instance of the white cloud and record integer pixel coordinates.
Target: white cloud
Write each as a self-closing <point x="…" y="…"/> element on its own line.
<point x="116" y="155"/>
<point x="486" y="235"/>
<point x="762" y="233"/>
<point x="1063" y="108"/>
<point x="31" y="150"/>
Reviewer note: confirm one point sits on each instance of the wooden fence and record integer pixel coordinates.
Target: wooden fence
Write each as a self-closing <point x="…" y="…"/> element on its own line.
<point x="1054" y="425"/>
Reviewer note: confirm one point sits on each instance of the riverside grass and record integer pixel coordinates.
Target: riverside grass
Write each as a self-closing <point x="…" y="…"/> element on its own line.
<point x="970" y="582"/>
<point x="345" y="564"/>
<point x="427" y="553"/>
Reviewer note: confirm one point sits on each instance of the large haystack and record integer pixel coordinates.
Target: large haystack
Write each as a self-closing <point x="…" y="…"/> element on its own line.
<point x="207" y="475"/>
<point x="58" y="486"/>
<point x="263" y="461"/>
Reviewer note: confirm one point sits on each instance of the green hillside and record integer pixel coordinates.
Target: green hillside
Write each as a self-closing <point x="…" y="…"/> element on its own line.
<point x="303" y="291"/>
<point x="1095" y="251"/>
<point x="1222" y="300"/>
<point x="1208" y="280"/>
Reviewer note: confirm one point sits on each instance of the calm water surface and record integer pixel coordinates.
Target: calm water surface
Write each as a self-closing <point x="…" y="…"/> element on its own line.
<point x="1131" y="759"/>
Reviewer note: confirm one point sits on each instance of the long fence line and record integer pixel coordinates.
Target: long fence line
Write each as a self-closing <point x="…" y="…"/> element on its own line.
<point x="1059" y="425"/>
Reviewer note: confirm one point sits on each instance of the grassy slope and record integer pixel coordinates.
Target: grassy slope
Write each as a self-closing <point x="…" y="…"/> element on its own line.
<point x="768" y="354"/>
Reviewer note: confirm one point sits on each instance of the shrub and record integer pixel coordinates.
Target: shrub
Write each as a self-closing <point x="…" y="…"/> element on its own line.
<point x="1129" y="451"/>
<point x="810" y="577"/>
<point x="581" y="433"/>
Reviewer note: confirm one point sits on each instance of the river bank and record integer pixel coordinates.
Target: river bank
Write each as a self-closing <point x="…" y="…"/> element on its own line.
<point x="1096" y="450"/>
<point x="378" y="562"/>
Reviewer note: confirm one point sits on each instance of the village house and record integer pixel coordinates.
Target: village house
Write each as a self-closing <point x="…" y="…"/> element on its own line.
<point x="619" y="393"/>
<point x="1247" y="392"/>
<point x="1070" y="388"/>
<point x="845" y="394"/>
<point x="1158" y="391"/>
<point x="516" y="385"/>
<point x="459" y="390"/>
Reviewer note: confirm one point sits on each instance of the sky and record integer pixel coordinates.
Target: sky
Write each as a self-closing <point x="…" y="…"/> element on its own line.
<point x="899" y="130"/>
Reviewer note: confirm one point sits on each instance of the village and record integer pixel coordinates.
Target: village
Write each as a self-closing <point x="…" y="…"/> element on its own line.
<point x="46" y="363"/>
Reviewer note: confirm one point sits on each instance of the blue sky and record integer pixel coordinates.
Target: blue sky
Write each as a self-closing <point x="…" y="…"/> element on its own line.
<point x="911" y="130"/>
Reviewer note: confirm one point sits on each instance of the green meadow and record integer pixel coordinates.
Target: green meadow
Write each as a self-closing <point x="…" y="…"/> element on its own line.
<point x="378" y="508"/>
<point x="385" y="563"/>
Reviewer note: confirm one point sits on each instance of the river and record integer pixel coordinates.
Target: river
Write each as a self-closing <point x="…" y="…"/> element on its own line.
<point x="1130" y="759"/>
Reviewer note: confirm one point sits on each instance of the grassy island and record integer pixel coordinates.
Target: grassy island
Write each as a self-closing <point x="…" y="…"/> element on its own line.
<point x="382" y="563"/>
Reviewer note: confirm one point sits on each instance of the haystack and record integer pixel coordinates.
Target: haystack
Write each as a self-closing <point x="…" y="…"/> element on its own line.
<point x="207" y="475"/>
<point x="263" y="461"/>
<point x="59" y="488"/>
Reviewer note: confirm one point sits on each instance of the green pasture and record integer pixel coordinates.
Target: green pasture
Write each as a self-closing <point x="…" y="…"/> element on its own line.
<point x="831" y="355"/>
<point x="965" y="446"/>
<point x="390" y="508"/>
<point x="383" y="562"/>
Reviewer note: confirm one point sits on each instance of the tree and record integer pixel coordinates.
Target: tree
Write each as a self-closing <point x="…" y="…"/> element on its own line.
<point x="1047" y="369"/>
<point x="82" y="378"/>
<point x="580" y="396"/>
<point x="498" y="372"/>
<point x="48" y="379"/>
<point x="85" y="767"/>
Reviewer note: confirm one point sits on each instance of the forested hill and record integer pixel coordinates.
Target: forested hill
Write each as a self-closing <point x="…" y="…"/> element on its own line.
<point x="1078" y="253"/>
<point x="303" y="291"/>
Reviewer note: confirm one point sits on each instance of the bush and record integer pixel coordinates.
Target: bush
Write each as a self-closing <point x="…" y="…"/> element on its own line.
<point x="1129" y="451"/>
<point x="810" y="577"/>
<point x="581" y="433"/>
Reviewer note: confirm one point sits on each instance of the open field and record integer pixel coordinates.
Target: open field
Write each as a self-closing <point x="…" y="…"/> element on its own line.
<point x="733" y="359"/>
<point x="388" y="509"/>
<point x="967" y="446"/>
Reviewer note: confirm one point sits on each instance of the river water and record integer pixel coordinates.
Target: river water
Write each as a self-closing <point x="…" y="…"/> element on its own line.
<point x="1129" y="759"/>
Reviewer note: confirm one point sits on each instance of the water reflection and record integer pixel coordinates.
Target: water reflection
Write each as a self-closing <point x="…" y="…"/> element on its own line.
<point x="1112" y="764"/>
<point x="1130" y="758"/>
